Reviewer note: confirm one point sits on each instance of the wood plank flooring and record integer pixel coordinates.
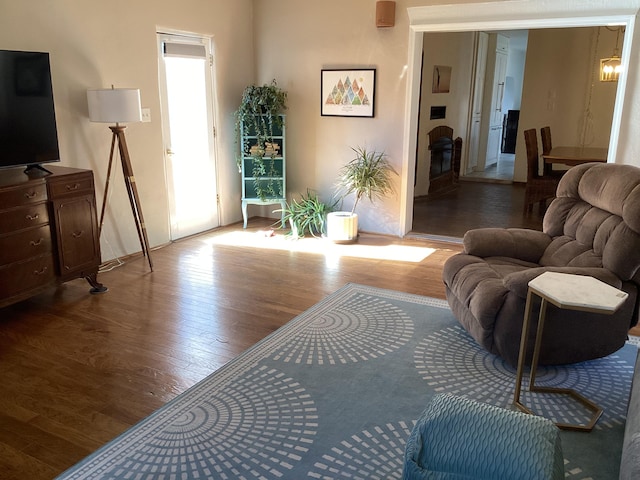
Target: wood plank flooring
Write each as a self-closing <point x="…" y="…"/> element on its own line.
<point x="474" y="205"/>
<point x="76" y="369"/>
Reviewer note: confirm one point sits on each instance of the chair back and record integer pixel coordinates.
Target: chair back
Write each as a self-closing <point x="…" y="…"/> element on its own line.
<point x="439" y="132"/>
<point x="596" y="214"/>
<point x="545" y="134"/>
<point x="531" y="143"/>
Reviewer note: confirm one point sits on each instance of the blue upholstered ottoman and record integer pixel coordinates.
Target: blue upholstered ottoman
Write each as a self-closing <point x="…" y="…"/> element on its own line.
<point x="456" y="438"/>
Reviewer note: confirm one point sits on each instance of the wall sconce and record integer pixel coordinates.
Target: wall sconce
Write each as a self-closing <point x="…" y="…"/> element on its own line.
<point x="610" y="68"/>
<point x="385" y="14"/>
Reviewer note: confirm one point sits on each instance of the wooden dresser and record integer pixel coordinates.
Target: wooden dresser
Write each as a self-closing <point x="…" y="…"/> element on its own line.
<point x="48" y="231"/>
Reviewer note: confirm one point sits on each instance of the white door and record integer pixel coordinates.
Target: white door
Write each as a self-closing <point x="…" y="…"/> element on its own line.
<point x="494" y="140"/>
<point x="186" y="93"/>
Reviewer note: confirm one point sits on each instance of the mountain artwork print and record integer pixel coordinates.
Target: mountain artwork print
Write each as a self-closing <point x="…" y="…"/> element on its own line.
<point x="348" y="92"/>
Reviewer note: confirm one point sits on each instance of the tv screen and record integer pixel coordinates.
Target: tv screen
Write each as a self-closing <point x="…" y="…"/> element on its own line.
<point x="28" y="133"/>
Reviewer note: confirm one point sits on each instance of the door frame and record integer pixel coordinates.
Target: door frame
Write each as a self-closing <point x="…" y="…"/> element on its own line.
<point x="207" y="41"/>
<point x="491" y="17"/>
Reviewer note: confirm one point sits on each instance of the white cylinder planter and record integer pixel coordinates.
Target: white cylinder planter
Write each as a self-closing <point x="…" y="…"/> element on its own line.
<point x="342" y="227"/>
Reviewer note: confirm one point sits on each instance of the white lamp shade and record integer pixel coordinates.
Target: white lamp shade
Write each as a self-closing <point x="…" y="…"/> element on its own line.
<point x="114" y="105"/>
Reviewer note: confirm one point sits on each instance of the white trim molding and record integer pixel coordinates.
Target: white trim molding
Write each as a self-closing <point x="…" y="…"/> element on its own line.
<point x="505" y="15"/>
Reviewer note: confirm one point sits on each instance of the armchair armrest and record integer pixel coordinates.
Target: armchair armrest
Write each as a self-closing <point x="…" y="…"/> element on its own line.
<point x="519" y="243"/>
<point x="518" y="282"/>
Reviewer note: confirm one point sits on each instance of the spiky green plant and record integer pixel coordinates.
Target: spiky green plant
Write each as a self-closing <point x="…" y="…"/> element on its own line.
<point x="309" y="214"/>
<point x="367" y="175"/>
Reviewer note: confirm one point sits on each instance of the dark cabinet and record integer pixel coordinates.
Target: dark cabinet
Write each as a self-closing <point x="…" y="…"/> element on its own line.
<point x="48" y="231"/>
<point x="74" y="212"/>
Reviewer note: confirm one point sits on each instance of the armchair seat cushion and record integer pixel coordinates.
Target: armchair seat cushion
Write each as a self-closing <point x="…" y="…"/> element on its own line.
<point x="487" y="284"/>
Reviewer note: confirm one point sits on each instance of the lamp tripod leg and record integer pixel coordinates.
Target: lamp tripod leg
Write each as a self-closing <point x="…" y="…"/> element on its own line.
<point x="134" y="199"/>
<point x="105" y="197"/>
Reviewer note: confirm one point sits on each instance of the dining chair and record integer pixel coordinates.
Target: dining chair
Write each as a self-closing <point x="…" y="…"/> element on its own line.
<point x="545" y="134"/>
<point x="547" y="145"/>
<point x="539" y="187"/>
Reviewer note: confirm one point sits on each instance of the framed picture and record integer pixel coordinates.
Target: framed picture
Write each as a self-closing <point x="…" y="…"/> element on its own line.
<point x="348" y="93"/>
<point x="441" y="79"/>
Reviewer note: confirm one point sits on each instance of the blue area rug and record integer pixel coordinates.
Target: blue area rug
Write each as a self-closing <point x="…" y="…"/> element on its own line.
<point x="336" y="392"/>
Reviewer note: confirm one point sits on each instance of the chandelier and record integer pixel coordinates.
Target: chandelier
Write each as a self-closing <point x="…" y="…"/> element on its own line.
<point x="610" y="68"/>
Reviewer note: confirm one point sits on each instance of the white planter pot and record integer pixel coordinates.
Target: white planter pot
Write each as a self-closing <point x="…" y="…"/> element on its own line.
<point x="342" y="227"/>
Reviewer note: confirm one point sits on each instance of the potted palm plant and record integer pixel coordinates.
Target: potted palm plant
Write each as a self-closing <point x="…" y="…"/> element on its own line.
<point x="367" y="175"/>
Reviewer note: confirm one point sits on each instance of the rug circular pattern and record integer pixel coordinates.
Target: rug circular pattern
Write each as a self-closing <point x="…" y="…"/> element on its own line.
<point x="255" y="427"/>
<point x="451" y="361"/>
<point x="360" y="328"/>
<point x="375" y="454"/>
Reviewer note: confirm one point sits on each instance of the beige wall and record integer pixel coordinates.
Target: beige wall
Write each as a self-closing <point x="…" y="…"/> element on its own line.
<point x="562" y="89"/>
<point x="96" y="44"/>
<point x="297" y="39"/>
<point x="454" y="50"/>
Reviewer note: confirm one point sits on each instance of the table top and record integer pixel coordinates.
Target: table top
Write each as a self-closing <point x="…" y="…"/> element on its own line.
<point x="578" y="292"/>
<point x="576" y="155"/>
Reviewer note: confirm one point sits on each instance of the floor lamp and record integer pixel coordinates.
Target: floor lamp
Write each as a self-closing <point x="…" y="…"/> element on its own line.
<point x="120" y="105"/>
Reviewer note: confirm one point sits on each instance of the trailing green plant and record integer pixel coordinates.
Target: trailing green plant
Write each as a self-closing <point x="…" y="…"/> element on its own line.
<point x="307" y="215"/>
<point x="367" y="175"/>
<point x="259" y="115"/>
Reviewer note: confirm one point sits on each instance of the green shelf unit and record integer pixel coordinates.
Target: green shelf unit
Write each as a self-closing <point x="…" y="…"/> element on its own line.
<point x="264" y="185"/>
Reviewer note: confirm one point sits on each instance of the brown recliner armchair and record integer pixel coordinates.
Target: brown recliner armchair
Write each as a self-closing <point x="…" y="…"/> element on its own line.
<point x="592" y="227"/>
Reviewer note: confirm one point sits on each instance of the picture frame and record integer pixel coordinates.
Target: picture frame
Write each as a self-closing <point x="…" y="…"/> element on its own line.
<point x="441" y="79"/>
<point x="348" y="93"/>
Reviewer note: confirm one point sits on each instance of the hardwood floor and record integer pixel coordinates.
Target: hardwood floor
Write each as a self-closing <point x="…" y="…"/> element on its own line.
<point x="77" y="370"/>
<point x="474" y="205"/>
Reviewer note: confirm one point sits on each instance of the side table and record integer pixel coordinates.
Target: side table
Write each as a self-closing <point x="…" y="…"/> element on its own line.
<point x="572" y="292"/>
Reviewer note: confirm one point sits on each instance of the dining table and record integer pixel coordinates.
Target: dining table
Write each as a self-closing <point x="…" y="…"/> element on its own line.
<point x="572" y="156"/>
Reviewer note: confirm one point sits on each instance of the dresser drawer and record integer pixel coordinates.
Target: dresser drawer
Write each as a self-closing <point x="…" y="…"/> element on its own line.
<point x="23" y="195"/>
<point x="21" y="218"/>
<point x="23" y="276"/>
<point x="25" y="244"/>
<point x="78" y="184"/>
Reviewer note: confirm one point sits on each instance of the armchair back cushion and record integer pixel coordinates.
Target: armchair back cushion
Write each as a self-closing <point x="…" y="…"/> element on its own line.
<point x="595" y="220"/>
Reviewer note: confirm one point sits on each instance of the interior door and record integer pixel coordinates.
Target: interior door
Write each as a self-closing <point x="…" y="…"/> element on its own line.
<point x="186" y="87"/>
<point x="477" y="99"/>
<point x="494" y="139"/>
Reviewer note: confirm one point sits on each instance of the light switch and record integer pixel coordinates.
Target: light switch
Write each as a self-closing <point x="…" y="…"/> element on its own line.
<point x="146" y="115"/>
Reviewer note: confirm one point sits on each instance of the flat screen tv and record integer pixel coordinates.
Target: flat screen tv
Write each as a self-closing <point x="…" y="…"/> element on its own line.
<point x="28" y="133"/>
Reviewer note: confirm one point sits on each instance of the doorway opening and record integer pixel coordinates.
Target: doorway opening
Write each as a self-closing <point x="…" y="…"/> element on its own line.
<point x="187" y="93"/>
<point x="426" y="24"/>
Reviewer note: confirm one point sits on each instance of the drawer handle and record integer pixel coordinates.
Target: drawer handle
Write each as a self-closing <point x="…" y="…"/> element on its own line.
<point x="31" y="195"/>
<point x="33" y="217"/>
<point x="42" y="271"/>
<point x="35" y="243"/>
<point x="75" y="186"/>
<point x="77" y="234"/>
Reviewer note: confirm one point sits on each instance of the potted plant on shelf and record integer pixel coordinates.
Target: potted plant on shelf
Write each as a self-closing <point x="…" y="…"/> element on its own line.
<point x="308" y="215"/>
<point x="367" y="175"/>
<point x="259" y="114"/>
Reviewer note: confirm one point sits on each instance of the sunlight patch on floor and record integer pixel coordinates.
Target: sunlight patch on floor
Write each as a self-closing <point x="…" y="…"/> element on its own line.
<point x="370" y="247"/>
